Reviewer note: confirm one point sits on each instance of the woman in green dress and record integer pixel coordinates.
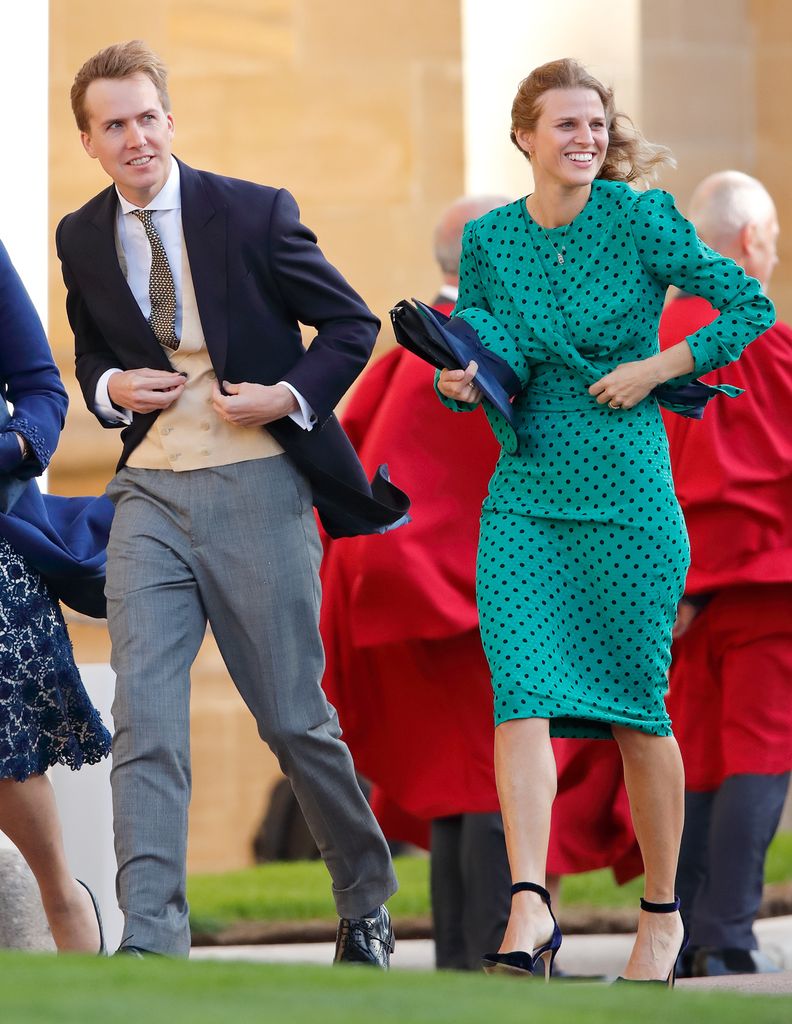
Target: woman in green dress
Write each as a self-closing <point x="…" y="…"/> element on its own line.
<point x="583" y="550"/>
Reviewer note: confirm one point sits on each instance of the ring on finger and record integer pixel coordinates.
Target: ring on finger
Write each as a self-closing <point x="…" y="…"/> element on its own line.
<point x="613" y="405"/>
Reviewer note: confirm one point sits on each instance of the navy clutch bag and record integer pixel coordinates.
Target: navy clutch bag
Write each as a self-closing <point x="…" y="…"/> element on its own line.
<point x="448" y="343"/>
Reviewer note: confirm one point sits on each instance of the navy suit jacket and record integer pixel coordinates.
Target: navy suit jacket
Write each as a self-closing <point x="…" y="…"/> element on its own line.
<point x="257" y="272"/>
<point x="64" y="539"/>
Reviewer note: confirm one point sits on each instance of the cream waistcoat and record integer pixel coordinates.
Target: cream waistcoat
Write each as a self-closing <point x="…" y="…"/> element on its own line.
<point x="190" y="434"/>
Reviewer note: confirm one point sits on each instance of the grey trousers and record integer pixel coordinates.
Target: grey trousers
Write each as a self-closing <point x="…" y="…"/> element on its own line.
<point x="722" y="858"/>
<point x="238" y="546"/>
<point x="471" y="889"/>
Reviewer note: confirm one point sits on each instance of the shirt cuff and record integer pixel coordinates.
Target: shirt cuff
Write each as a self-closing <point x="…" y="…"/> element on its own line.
<point x="304" y="417"/>
<point x="102" y="404"/>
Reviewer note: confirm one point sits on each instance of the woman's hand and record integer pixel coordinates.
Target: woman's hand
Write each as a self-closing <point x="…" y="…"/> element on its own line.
<point x="628" y="384"/>
<point x="458" y="384"/>
<point x="12" y="449"/>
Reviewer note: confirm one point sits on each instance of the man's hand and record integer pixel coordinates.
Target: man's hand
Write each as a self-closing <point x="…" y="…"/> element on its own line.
<point x="686" y="613"/>
<point x="253" y="405"/>
<point x="145" y="390"/>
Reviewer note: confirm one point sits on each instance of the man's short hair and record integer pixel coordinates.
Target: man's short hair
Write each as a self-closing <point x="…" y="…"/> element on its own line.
<point x="121" y="60"/>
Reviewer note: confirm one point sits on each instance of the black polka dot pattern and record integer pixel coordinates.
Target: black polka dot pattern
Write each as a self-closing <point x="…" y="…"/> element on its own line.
<point x="583" y="549"/>
<point x="161" y="290"/>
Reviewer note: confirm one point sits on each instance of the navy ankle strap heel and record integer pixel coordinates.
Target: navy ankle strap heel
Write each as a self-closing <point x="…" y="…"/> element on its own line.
<point x="660" y="908"/>
<point x="521" y="963"/>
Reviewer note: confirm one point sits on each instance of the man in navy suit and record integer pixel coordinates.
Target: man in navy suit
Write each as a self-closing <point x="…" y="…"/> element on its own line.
<point x="184" y="293"/>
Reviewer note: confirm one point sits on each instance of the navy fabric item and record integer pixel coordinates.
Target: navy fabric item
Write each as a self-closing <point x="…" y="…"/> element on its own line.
<point x="64" y="539"/>
<point x="690" y="400"/>
<point x="453" y="344"/>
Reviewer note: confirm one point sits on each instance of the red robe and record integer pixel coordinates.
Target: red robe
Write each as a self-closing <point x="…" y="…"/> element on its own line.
<point x="733" y="476"/>
<point x="731" y="676"/>
<point x="405" y="668"/>
<point x="733" y="469"/>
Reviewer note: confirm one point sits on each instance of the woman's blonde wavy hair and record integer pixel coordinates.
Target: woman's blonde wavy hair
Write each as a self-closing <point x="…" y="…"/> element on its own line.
<point x="630" y="157"/>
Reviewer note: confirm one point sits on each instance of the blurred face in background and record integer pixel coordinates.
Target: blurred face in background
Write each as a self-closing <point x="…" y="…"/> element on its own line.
<point x="760" y="245"/>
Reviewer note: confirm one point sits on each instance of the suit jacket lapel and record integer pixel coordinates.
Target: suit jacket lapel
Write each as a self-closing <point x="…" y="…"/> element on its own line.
<point x="131" y="333"/>
<point x="205" y="229"/>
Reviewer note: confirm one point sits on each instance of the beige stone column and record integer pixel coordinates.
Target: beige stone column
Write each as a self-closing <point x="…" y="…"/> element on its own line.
<point x="504" y="40"/>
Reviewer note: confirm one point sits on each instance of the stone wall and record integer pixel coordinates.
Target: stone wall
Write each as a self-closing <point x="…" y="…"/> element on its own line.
<point x="717" y="75"/>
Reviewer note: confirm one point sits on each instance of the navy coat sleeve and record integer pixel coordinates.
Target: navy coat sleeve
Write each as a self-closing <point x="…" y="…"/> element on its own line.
<point x="317" y="295"/>
<point x="28" y="376"/>
<point x="92" y="354"/>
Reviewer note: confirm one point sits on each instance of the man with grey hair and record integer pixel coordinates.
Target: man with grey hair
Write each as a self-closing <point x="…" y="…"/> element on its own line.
<point x="731" y="674"/>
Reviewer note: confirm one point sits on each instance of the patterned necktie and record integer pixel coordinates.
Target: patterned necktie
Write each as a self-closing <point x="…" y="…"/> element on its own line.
<point x="161" y="291"/>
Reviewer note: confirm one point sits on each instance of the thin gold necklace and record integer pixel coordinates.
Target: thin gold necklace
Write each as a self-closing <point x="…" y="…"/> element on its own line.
<point x="560" y="253"/>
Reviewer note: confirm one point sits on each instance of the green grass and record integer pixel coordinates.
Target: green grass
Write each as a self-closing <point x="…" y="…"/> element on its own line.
<point x="293" y="891"/>
<point x="40" y="989"/>
<point x="298" y="891"/>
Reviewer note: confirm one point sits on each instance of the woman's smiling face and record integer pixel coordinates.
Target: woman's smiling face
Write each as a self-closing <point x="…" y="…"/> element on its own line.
<point x="570" y="140"/>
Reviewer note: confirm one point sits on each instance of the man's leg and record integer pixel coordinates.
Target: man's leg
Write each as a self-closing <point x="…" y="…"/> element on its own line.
<point x="448" y="893"/>
<point x="693" y="856"/>
<point x="751" y="634"/>
<point x="487" y="884"/>
<point x="259" y="555"/>
<point x="156" y="625"/>
<point x="745" y="816"/>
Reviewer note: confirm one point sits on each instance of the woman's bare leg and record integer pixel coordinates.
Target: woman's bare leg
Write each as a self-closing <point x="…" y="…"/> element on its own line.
<point x="29" y="817"/>
<point x="525" y="771"/>
<point x="655" y="783"/>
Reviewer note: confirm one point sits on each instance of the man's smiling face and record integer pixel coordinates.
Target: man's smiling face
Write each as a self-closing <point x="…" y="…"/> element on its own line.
<point x="129" y="134"/>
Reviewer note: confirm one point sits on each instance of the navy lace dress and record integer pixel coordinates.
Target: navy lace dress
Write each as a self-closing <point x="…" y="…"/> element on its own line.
<point x="46" y="717"/>
<point x="45" y="714"/>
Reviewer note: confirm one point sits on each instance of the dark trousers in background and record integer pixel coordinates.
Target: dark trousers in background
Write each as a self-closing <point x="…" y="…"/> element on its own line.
<point x="721" y="862"/>
<point x="471" y="888"/>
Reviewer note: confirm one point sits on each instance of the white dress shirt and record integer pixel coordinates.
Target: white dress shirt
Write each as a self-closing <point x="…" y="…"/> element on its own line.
<point x="166" y="216"/>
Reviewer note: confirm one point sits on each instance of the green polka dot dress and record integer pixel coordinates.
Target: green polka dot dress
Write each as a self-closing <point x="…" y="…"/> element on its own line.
<point x="583" y="550"/>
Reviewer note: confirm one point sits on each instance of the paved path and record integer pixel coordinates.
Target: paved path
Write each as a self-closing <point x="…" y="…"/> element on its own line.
<point x="581" y="954"/>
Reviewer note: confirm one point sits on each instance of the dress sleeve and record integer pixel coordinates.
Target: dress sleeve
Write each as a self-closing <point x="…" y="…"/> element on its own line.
<point x="29" y="378"/>
<point x="670" y="250"/>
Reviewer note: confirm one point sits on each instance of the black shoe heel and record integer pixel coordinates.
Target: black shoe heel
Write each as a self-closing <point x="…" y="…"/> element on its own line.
<point x="102" y="945"/>
<point x="523" y="964"/>
<point x="660" y="908"/>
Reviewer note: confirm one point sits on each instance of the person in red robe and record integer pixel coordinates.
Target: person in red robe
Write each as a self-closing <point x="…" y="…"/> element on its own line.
<point x="731" y="674"/>
<point x="405" y="667"/>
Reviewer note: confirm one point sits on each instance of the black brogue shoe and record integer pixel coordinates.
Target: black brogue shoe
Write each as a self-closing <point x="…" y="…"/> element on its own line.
<point x="365" y="940"/>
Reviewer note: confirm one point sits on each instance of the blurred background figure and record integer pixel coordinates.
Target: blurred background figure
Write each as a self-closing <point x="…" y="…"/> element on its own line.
<point x="405" y="668"/>
<point x="731" y="675"/>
